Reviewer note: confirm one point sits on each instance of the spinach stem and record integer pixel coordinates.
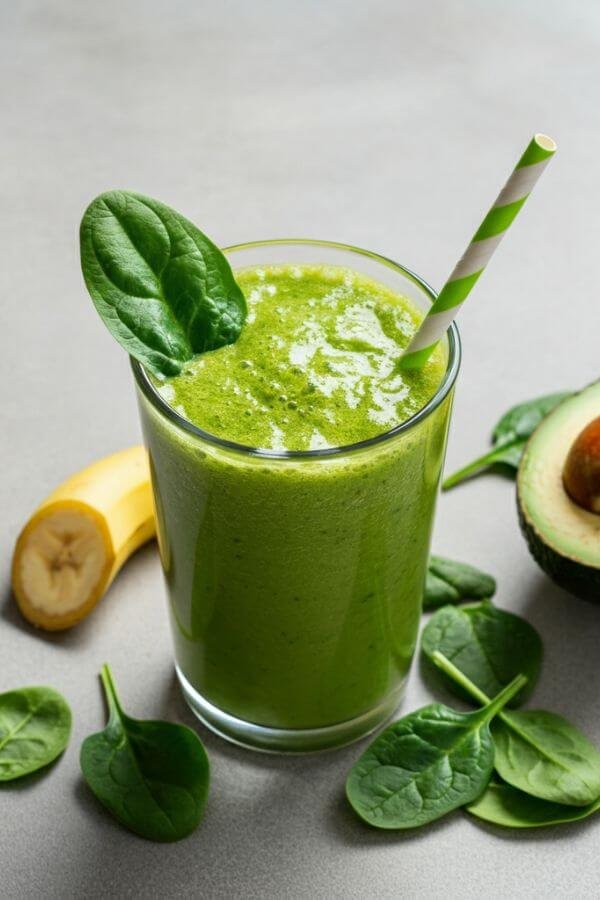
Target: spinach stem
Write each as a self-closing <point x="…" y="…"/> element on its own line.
<point x="468" y="470"/>
<point x="443" y="663"/>
<point x="493" y="706"/>
<point x="505" y="695"/>
<point x="110" y="690"/>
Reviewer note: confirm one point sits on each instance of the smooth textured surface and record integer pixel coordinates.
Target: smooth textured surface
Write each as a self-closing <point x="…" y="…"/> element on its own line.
<point x="389" y="125"/>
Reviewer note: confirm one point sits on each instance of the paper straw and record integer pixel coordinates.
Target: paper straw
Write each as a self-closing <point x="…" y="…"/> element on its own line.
<point x="479" y="252"/>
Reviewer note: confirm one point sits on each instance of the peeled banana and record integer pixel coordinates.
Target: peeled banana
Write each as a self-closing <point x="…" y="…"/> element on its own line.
<point x="77" y="540"/>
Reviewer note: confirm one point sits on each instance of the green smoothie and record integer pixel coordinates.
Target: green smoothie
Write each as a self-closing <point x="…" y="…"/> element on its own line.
<point x="315" y="365"/>
<point x="295" y="583"/>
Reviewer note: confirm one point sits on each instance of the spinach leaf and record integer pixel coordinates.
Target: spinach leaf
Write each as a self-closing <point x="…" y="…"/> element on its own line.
<point x="504" y="805"/>
<point x="425" y="765"/>
<point x="35" y="726"/>
<point x="510" y="436"/>
<point x="537" y="751"/>
<point x="152" y="776"/>
<point x="162" y="288"/>
<point x="544" y="755"/>
<point x="489" y="645"/>
<point x="449" y="581"/>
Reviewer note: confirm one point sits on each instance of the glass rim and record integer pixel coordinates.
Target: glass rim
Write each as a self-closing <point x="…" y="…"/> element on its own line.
<point x="454" y="355"/>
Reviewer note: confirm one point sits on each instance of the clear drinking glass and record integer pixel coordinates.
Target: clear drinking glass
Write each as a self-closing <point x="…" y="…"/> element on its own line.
<point x="295" y="579"/>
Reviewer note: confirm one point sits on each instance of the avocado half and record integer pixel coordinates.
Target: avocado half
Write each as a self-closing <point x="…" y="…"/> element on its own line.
<point x="563" y="537"/>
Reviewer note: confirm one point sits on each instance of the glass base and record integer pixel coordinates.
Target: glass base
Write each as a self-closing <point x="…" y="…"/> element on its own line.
<point x="286" y="740"/>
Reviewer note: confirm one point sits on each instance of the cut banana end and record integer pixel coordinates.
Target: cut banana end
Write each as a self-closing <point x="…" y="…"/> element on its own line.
<point x="62" y="563"/>
<point x="76" y="542"/>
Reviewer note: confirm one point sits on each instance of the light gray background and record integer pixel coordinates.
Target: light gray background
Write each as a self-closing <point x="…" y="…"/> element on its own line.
<point x="386" y="124"/>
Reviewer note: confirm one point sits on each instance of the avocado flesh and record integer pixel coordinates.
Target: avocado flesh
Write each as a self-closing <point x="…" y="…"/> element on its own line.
<point x="563" y="537"/>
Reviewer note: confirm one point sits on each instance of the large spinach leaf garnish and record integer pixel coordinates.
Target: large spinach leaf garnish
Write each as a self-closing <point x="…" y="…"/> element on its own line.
<point x="426" y="764"/>
<point x="504" y="805"/>
<point x="449" y="581"/>
<point x="510" y="436"/>
<point x="162" y="288"/>
<point x="537" y="751"/>
<point x="152" y="776"/>
<point x="35" y="726"/>
<point x="489" y="645"/>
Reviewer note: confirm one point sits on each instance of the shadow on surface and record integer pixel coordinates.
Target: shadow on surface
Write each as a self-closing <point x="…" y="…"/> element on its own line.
<point x="347" y="828"/>
<point x="542" y="596"/>
<point x="173" y="706"/>
<point x="82" y="632"/>
<point x="71" y="638"/>
<point x="570" y="631"/>
<point x="556" y="833"/>
<point x="26" y="782"/>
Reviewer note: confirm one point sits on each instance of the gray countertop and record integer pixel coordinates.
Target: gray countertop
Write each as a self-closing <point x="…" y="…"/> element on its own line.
<point x="390" y="125"/>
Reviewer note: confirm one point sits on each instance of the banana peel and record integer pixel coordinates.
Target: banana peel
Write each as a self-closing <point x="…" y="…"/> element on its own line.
<point x="80" y="536"/>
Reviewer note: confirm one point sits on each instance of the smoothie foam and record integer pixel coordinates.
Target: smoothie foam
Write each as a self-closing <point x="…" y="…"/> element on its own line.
<point x="315" y="365"/>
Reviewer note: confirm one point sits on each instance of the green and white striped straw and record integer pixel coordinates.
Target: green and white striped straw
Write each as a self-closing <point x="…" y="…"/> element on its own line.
<point x="479" y="252"/>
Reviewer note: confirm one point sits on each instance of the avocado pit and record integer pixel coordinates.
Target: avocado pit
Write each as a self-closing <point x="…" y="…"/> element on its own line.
<point x="581" y="472"/>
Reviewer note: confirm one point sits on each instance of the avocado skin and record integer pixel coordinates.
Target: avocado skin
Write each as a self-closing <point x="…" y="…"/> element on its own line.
<point x="581" y="580"/>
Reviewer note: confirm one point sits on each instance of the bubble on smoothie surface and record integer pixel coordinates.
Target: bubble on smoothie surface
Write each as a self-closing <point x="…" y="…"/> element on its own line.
<point x="315" y="365"/>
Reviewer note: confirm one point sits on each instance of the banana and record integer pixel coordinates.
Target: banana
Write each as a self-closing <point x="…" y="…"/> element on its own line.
<point x="77" y="540"/>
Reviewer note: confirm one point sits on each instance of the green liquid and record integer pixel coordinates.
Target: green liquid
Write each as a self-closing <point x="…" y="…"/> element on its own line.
<point x="315" y="365"/>
<point x="295" y="584"/>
